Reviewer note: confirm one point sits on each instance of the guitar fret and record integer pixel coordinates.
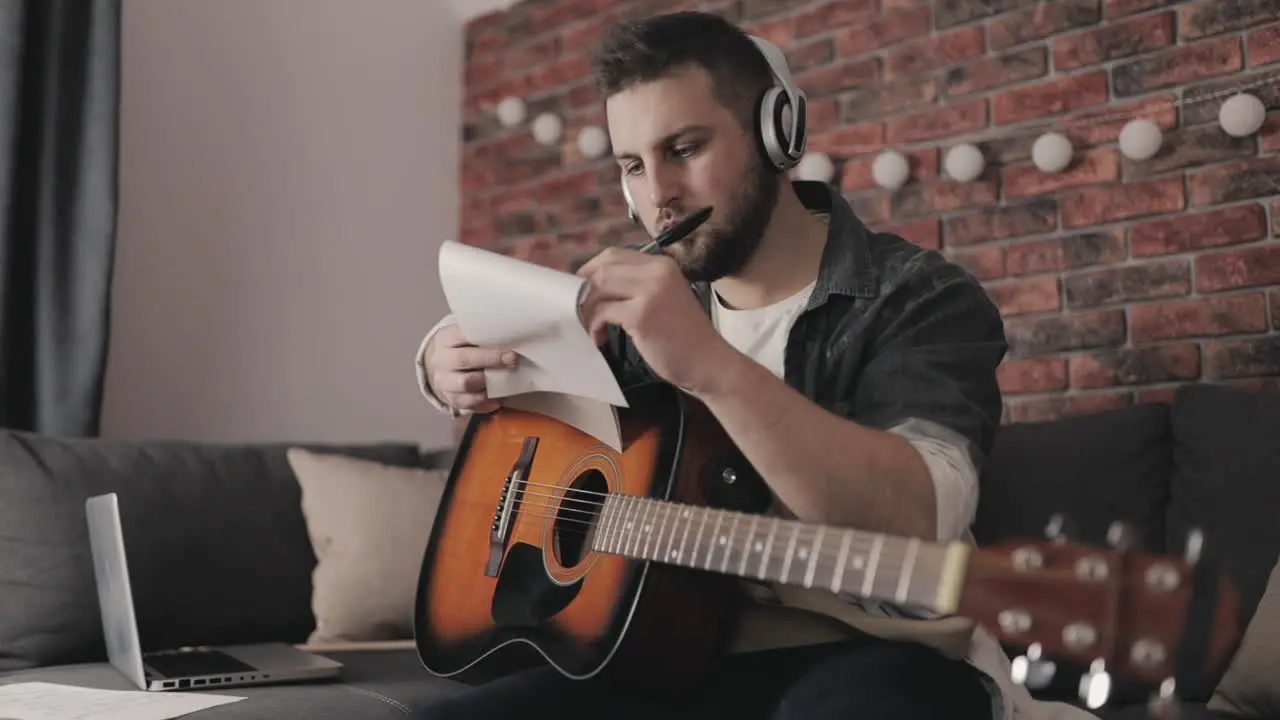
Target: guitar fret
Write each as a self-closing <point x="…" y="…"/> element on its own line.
<point x="697" y="540"/>
<point x="624" y="520"/>
<point x="665" y="510"/>
<point x="618" y="523"/>
<point x="632" y="536"/>
<point x="838" y="575"/>
<point x="715" y="537"/>
<point x="791" y="549"/>
<point x="908" y="567"/>
<point x="869" y="578"/>
<point x="638" y="526"/>
<point x="729" y="543"/>
<point x="746" y="546"/>
<point x="814" y="551"/>
<point x="600" y="533"/>
<point x="768" y="547"/>
<point x="672" y="553"/>
<point x="676" y="552"/>
<point x="648" y="528"/>
<point x="687" y="514"/>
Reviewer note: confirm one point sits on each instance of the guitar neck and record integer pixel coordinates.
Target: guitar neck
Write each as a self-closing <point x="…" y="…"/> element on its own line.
<point x="904" y="571"/>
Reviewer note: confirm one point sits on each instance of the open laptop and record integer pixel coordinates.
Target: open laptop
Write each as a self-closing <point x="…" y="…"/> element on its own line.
<point x="180" y="668"/>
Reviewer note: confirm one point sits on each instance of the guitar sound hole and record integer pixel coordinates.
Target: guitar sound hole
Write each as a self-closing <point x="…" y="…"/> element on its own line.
<point x="578" y="512"/>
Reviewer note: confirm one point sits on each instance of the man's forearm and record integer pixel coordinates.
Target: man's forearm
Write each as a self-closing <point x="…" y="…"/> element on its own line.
<point x="822" y="467"/>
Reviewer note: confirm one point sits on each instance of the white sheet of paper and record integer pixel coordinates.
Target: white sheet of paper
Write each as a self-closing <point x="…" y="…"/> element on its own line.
<point x="49" y="701"/>
<point x="500" y="301"/>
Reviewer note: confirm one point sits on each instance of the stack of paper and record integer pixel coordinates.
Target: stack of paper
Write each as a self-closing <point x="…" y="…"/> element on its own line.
<point x="48" y="701"/>
<point x="504" y="302"/>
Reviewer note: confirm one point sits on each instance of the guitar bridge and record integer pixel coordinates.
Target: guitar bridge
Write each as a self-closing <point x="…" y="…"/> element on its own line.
<point x="504" y="517"/>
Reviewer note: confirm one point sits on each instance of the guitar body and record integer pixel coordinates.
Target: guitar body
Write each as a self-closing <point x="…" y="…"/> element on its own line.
<point x="541" y="595"/>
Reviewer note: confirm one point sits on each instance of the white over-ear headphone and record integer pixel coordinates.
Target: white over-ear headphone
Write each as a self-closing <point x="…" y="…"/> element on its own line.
<point x="781" y="116"/>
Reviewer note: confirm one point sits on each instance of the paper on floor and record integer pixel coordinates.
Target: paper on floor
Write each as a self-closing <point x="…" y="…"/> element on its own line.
<point x="48" y="701"/>
<point x="500" y="301"/>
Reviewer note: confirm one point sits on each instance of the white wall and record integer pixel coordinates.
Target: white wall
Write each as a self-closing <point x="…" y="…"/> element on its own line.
<point x="288" y="169"/>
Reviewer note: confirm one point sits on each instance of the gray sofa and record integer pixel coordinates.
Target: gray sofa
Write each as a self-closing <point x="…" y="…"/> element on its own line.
<point x="220" y="551"/>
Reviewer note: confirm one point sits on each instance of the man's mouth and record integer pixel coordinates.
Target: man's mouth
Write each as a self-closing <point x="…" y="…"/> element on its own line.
<point x="668" y="224"/>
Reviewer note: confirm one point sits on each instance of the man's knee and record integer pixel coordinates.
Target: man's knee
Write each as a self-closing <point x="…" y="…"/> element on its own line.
<point x="887" y="679"/>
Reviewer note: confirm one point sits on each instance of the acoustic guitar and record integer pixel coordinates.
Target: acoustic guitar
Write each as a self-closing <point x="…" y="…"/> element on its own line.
<point x="551" y="547"/>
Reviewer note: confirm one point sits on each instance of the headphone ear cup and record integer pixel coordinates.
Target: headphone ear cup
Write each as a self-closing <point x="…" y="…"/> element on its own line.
<point x="775" y="120"/>
<point x="632" y="215"/>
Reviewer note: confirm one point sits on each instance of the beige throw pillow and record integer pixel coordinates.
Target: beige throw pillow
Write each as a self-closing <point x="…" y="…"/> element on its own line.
<point x="1251" y="686"/>
<point x="369" y="525"/>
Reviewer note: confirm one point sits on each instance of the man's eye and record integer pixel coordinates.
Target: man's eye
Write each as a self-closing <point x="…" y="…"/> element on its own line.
<point x="686" y="150"/>
<point x="632" y="169"/>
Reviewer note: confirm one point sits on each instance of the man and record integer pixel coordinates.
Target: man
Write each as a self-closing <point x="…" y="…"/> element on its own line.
<point x="856" y="372"/>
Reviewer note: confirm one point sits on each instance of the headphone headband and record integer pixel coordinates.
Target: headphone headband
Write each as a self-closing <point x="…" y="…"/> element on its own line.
<point x="793" y="133"/>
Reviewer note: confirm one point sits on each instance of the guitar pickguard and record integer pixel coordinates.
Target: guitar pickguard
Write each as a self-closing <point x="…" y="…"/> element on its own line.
<point x="525" y="596"/>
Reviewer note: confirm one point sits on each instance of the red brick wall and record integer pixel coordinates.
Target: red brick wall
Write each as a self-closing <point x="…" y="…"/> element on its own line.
<point x="1117" y="280"/>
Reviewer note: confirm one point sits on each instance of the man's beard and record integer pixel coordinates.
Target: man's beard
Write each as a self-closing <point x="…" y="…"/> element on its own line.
<point x="720" y="252"/>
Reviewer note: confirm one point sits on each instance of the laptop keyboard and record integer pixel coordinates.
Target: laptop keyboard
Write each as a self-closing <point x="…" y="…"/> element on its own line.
<point x="195" y="662"/>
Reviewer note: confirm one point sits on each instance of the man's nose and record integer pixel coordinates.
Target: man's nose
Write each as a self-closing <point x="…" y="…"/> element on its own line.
<point x="664" y="188"/>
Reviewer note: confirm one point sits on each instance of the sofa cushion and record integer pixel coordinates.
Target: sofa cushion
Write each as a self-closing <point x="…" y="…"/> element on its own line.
<point x="1227" y="482"/>
<point x="373" y="686"/>
<point x="1094" y="469"/>
<point x="369" y="525"/>
<point x="217" y="544"/>
<point x="1251" y="686"/>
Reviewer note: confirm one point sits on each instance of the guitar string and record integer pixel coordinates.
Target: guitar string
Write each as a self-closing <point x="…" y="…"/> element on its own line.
<point x="890" y="563"/>
<point x="804" y="536"/>
<point x="891" y="560"/>
<point x="861" y="542"/>
<point x="892" y="557"/>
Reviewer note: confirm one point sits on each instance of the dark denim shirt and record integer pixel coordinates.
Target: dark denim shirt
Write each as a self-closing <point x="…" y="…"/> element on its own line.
<point x="891" y="333"/>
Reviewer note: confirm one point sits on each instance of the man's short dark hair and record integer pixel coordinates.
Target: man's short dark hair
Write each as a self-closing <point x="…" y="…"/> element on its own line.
<point x="639" y="51"/>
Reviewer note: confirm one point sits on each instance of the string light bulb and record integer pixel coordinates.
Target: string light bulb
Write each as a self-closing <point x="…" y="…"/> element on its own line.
<point x="964" y="162"/>
<point x="593" y="141"/>
<point x="547" y="128"/>
<point x="1242" y="115"/>
<point x="815" y="166"/>
<point x="890" y="169"/>
<point x="1051" y="152"/>
<point x="1140" y="139"/>
<point x="511" y="111"/>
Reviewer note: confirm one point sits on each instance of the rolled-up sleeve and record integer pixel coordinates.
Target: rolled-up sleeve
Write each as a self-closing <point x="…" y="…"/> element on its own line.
<point x="955" y="478"/>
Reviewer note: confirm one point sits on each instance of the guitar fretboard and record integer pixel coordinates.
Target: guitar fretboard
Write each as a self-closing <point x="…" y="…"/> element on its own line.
<point x="904" y="571"/>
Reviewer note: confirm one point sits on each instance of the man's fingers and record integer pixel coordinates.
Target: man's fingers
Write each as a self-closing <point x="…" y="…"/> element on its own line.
<point x="603" y="314"/>
<point x="486" y="406"/>
<point x="608" y="256"/>
<point x="478" y="358"/>
<point x="475" y="402"/>
<point x="621" y="282"/>
<point x="471" y="381"/>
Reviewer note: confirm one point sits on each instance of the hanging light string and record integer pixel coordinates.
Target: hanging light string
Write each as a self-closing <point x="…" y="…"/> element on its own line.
<point x="1065" y="125"/>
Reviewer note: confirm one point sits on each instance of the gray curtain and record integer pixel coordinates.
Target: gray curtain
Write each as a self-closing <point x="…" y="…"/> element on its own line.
<point x="59" y="91"/>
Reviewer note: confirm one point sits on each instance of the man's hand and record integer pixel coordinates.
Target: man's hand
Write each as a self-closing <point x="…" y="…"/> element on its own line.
<point x="455" y="369"/>
<point x="648" y="297"/>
